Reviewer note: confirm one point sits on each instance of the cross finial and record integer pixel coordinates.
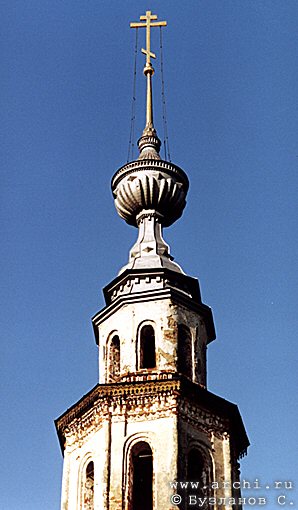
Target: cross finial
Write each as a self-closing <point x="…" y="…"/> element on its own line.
<point x="148" y="17"/>
<point x="147" y="21"/>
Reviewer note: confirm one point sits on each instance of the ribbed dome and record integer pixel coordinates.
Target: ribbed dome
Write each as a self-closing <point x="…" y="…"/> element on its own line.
<point x="150" y="184"/>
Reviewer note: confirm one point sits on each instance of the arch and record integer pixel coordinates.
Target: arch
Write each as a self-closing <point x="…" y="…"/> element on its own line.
<point x="141" y="477"/>
<point x="195" y="464"/>
<point x="86" y="484"/>
<point x="88" y="497"/>
<point x="113" y="360"/>
<point x="133" y="447"/>
<point x="199" y="469"/>
<point x="147" y="351"/>
<point x="185" y="354"/>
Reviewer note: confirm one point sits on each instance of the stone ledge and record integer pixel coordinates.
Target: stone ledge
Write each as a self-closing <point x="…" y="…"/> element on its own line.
<point x="185" y="393"/>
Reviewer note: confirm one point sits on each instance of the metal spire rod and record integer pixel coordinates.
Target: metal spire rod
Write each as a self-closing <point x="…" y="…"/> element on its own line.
<point x="148" y="69"/>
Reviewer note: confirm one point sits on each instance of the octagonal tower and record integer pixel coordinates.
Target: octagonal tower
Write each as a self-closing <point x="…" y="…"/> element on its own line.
<point x="151" y="420"/>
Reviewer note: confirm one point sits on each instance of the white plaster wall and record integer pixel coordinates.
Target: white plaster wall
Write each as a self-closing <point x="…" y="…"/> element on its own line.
<point x="161" y="434"/>
<point x="94" y="448"/>
<point x="164" y="316"/>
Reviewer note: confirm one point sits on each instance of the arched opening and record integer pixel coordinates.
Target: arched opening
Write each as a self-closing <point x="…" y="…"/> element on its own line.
<point x="114" y="359"/>
<point x="185" y="360"/>
<point x="195" y="465"/>
<point x="197" y="470"/>
<point x="147" y="347"/>
<point x="88" y="497"/>
<point x="141" y="477"/>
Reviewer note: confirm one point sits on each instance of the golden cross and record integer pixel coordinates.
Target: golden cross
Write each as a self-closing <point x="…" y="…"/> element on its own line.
<point x="148" y="17"/>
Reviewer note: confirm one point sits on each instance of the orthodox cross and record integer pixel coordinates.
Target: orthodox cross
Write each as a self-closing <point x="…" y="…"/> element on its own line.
<point x="148" y="24"/>
<point x="148" y="69"/>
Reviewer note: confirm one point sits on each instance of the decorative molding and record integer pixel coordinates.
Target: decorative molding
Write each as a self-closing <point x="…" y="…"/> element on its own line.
<point x="150" y="165"/>
<point x="151" y="400"/>
<point x="202" y="419"/>
<point x="147" y="375"/>
<point x="135" y="283"/>
<point x="136" y="286"/>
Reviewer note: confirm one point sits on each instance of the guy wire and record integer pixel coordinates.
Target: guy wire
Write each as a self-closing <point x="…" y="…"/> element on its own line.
<point x="164" y="110"/>
<point x="131" y="143"/>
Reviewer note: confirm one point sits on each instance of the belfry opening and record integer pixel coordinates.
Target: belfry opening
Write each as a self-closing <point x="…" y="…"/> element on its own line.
<point x="142" y="473"/>
<point x="147" y="347"/>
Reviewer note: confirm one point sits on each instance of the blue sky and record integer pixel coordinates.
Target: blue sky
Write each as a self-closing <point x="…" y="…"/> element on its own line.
<point x="231" y="79"/>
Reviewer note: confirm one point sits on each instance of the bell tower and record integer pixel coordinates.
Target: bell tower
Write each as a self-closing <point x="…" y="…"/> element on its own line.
<point x="150" y="420"/>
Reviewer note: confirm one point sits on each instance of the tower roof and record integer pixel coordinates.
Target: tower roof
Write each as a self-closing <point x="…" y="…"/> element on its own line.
<point x="150" y="193"/>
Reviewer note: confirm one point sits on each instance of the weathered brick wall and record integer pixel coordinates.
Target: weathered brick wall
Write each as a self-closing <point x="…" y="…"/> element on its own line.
<point x="165" y="317"/>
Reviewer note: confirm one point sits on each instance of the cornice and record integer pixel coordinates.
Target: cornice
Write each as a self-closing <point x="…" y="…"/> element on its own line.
<point x="168" y="278"/>
<point x="181" y="289"/>
<point x="154" y="398"/>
